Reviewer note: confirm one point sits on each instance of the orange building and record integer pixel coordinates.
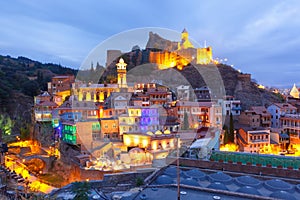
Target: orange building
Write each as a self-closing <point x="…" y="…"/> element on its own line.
<point x="60" y="83"/>
<point x="252" y="140"/>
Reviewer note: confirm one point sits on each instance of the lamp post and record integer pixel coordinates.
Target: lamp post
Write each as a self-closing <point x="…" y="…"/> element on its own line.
<point x="178" y="170"/>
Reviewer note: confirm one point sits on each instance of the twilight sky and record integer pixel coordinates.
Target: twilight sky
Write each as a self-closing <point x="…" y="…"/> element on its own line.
<point x="261" y="37"/>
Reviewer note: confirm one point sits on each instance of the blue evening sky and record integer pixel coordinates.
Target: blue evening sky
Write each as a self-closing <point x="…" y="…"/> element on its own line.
<point x="261" y="37"/>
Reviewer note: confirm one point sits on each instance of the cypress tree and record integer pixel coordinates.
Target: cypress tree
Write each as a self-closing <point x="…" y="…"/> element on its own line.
<point x="231" y="129"/>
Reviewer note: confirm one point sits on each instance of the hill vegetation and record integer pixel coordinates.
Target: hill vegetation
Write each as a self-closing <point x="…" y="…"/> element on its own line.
<point x="20" y="80"/>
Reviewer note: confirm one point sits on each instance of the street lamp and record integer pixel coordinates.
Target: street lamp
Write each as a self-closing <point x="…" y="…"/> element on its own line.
<point x="178" y="170"/>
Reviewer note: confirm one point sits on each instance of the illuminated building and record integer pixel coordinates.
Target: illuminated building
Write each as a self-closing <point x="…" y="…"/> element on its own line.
<point x="110" y="128"/>
<point x="139" y="120"/>
<point x="294" y="92"/>
<point x="154" y="143"/>
<point x="199" y="113"/>
<point x="185" y="42"/>
<point x="290" y="123"/>
<point x="252" y="140"/>
<point x="100" y="92"/>
<point x="43" y="111"/>
<point x="278" y="110"/>
<point x="94" y="92"/>
<point x="88" y="110"/>
<point x="60" y="83"/>
<point x="121" y="70"/>
<point x="87" y="134"/>
<point x="116" y="104"/>
<point x="183" y="55"/>
<point x="159" y="96"/>
<point x="147" y="94"/>
<point x="45" y="96"/>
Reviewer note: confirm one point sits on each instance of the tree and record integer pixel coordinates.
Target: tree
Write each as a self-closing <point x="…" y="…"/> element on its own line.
<point x="231" y="129"/>
<point x="31" y="88"/>
<point x="81" y="190"/>
<point x="226" y="135"/>
<point x="185" y="121"/>
<point x="6" y="124"/>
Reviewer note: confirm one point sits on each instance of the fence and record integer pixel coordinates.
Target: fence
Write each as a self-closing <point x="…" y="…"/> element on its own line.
<point x="257" y="159"/>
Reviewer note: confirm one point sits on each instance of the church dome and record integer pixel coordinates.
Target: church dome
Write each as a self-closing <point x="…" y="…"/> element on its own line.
<point x="294" y="92"/>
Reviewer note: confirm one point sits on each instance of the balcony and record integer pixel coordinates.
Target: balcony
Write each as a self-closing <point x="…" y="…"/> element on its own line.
<point x="236" y="108"/>
<point x="291" y="127"/>
<point x="257" y="141"/>
<point x="43" y="116"/>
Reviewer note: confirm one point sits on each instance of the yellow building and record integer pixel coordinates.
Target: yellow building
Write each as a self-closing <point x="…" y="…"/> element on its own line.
<point x="151" y="141"/>
<point x="121" y="69"/>
<point x="185" y="42"/>
<point x="100" y="92"/>
<point x="184" y="54"/>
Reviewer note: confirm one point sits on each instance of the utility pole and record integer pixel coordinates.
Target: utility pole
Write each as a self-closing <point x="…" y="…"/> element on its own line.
<point x="178" y="170"/>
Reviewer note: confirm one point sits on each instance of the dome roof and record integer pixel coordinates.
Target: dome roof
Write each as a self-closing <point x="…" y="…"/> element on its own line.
<point x="220" y="177"/>
<point x="248" y="181"/>
<point x="196" y="173"/>
<point x="276" y="184"/>
<point x="189" y="181"/>
<point x="249" y="190"/>
<point x="158" y="132"/>
<point x="149" y="133"/>
<point x="164" y="179"/>
<point x="217" y="186"/>
<point x="294" y="92"/>
<point x="136" y="150"/>
<point x="282" y="195"/>
<point x="172" y="172"/>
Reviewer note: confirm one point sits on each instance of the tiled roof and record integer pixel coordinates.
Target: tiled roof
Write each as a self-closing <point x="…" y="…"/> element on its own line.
<point x="47" y="103"/>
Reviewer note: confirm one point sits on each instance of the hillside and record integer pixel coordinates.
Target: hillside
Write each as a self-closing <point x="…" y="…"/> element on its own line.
<point x="20" y="80"/>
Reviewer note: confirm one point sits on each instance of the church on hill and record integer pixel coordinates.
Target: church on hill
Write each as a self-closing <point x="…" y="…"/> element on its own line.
<point x="184" y="54"/>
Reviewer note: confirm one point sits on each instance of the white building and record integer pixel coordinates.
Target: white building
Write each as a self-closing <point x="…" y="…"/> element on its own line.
<point x="231" y="105"/>
<point x="183" y="92"/>
<point x="280" y="109"/>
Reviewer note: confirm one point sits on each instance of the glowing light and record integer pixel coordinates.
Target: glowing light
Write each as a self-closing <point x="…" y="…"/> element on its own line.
<point x="164" y="144"/>
<point x="136" y="141"/>
<point x="229" y="147"/>
<point x="127" y="140"/>
<point x="145" y="143"/>
<point x="154" y="145"/>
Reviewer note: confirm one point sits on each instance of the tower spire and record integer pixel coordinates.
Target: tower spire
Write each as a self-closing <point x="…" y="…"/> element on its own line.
<point x="121" y="69"/>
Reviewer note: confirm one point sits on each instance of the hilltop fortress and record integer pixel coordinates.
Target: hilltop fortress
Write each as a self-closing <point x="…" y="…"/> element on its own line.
<point x="166" y="54"/>
<point x="179" y="54"/>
